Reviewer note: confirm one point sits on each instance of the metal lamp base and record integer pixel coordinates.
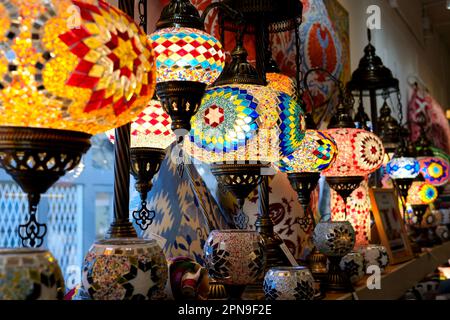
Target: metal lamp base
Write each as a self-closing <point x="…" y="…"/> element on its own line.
<point x="181" y="100"/>
<point x="336" y="279"/>
<point x="121" y="230"/>
<point x="36" y="158"/>
<point x="344" y="186"/>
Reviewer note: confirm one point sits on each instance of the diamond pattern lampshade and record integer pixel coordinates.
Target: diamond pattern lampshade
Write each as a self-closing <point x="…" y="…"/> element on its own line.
<point x="187" y="54"/>
<point x="281" y="82"/>
<point x="85" y="73"/>
<point x="421" y="193"/>
<point x="317" y="152"/>
<point x="360" y="153"/>
<point x="435" y="170"/>
<point x="151" y="129"/>
<point x="245" y="122"/>
<point x="403" y="168"/>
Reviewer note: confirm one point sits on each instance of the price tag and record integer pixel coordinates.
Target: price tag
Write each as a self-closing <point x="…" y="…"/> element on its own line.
<point x="289" y="255"/>
<point x="161" y="240"/>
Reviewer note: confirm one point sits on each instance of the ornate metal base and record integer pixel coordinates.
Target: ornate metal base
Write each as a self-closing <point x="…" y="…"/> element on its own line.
<point x="337" y="280"/>
<point x="217" y="291"/>
<point x="317" y="263"/>
<point x="304" y="184"/>
<point x="420" y="235"/>
<point x="121" y="230"/>
<point x="145" y="164"/>
<point x="344" y="186"/>
<point x="181" y="100"/>
<point x="240" y="180"/>
<point x="403" y="186"/>
<point x="36" y="158"/>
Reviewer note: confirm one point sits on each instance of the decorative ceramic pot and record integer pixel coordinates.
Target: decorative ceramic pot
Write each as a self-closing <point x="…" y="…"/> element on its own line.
<point x="353" y="265"/>
<point x="375" y="255"/>
<point x="124" y="269"/>
<point x="334" y="239"/>
<point x="235" y="258"/>
<point x="30" y="274"/>
<point x="188" y="279"/>
<point x="289" y="283"/>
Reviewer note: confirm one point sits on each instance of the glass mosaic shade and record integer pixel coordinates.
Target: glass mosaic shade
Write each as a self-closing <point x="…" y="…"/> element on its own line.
<point x="187" y="54"/>
<point x="403" y="168"/>
<point x="151" y="129"/>
<point x="245" y="122"/>
<point x="421" y="193"/>
<point x="281" y="82"/>
<point x="317" y="152"/>
<point x="360" y="153"/>
<point x="435" y="170"/>
<point x="89" y="72"/>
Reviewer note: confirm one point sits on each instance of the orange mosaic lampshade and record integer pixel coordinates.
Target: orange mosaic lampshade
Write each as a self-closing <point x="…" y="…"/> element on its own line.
<point x="72" y="65"/>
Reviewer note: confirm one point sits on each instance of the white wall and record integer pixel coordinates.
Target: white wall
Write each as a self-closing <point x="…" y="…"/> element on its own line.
<point x="402" y="45"/>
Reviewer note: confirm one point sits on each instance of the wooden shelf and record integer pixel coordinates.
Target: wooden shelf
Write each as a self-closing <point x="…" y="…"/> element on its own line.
<point x="400" y="278"/>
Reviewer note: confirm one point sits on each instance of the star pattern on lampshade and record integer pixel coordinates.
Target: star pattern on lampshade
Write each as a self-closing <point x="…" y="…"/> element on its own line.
<point x="214" y="116"/>
<point x="435" y="170"/>
<point x="102" y="63"/>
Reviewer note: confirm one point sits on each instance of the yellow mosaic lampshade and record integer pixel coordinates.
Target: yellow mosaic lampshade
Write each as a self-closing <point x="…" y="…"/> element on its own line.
<point x="281" y="82"/>
<point x="421" y="193"/>
<point x="151" y="129"/>
<point x="72" y="65"/>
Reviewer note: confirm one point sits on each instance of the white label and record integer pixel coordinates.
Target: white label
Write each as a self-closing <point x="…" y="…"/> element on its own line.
<point x="289" y="255"/>
<point x="161" y="240"/>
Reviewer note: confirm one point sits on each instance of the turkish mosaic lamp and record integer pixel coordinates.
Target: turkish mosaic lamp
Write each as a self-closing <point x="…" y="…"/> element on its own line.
<point x="188" y="60"/>
<point x="65" y="75"/>
<point x="151" y="134"/>
<point x="435" y="170"/>
<point x="403" y="168"/>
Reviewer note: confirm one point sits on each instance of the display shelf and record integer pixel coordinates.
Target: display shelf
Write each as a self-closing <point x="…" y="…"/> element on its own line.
<point x="400" y="278"/>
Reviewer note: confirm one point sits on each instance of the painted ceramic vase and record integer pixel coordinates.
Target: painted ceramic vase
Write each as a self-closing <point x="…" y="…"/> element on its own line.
<point x="375" y="255"/>
<point x="30" y="274"/>
<point x="334" y="238"/>
<point x="188" y="279"/>
<point x="235" y="257"/>
<point x="125" y="269"/>
<point x="353" y="264"/>
<point x="289" y="283"/>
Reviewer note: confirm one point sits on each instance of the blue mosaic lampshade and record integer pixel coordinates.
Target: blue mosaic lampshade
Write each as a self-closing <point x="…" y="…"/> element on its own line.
<point x="403" y="168"/>
<point x="246" y="122"/>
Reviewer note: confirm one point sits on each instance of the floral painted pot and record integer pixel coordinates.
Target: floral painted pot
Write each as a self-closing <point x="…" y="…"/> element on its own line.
<point x="375" y="255"/>
<point x="334" y="238"/>
<point x="353" y="264"/>
<point x="125" y="269"/>
<point x="30" y="274"/>
<point x="289" y="283"/>
<point x="235" y="257"/>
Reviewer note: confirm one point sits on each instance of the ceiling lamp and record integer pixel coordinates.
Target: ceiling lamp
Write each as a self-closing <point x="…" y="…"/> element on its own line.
<point x="151" y="135"/>
<point x="278" y="81"/>
<point x="188" y="60"/>
<point x="62" y="83"/>
<point x="317" y="152"/>
<point x="243" y="126"/>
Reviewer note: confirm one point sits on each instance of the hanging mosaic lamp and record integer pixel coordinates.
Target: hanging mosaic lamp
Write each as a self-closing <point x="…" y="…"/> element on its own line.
<point x="151" y="135"/>
<point x="188" y="60"/>
<point x="422" y="193"/>
<point x="403" y="168"/>
<point x="435" y="170"/>
<point x="242" y="127"/>
<point x="317" y="152"/>
<point x="360" y="154"/>
<point x="278" y="81"/>
<point x="61" y="81"/>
